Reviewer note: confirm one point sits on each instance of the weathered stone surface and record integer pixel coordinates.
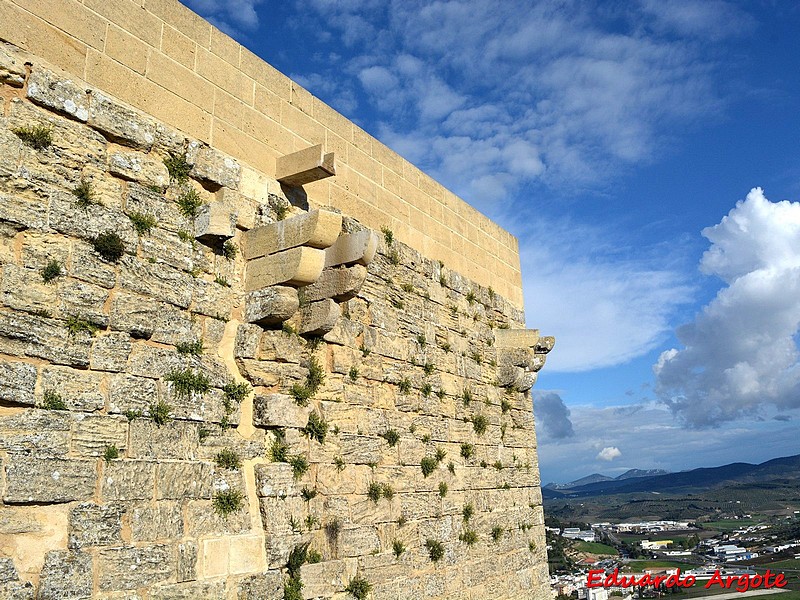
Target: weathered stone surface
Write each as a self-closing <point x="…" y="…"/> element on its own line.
<point x="143" y="318"/>
<point x="172" y="440"/>
<point x="23" y="289"/>
<point x="326" y="578"/>
<point x="298" y="266"/>
<point x="17" y="382"/>
<point x="516" y="338"/>
<point x="136" y="166"/>
<point x="17" y="209"/>
<point x="271" y="305"/>
<point x="157" y="281"/>
<point x="95" y="525"/>
<point x="53" y="480"/>
<point x="60" y="94"/>
<point x="79" y="389"/>
<point x="352" y="248"/>
<point x="12" y="68"/>
<point x="340" y="284"/>
<point x="190" y="591"/>
<point x="88" y="266"/>
<point x="110" y="351"/>
<point x="545" y="344"/>
<point x="180" y="480"/>
<point x="211" y="165"/>
<point x="130" y="568"/>
<point x="187" y="561"/>
<point x="128" y="480"/>
<point x="127" y="392"/>
<point x="275" y="480"/>
<point x="316" y="229"/>
<point x="214" y="223"/>
<point x="318" y="318"/>
<point x="205" y="521"/>
<point x="84" y="301"/>
<point x="279" y="410"/>
<point x="39" y="432"/>
<point x="120" y="123"/>
<point x="92" y="434"/>
<point x="66" y="575"/>
<point x="43" y="337"/>
<point x="162" y="521"/>
<point x="263" y="585"/>
<point x="305" y="166"/>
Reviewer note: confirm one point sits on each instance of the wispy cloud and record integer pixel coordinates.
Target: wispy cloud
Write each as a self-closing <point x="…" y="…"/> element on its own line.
<point x="234" y="17"/>
<point x="677" y="448"/>
<point x="458" y="86"/>
<point x="605" y="308"/>
<point x="740" y="353"/>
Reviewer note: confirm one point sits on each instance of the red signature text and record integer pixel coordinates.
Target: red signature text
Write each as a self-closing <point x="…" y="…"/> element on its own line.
<point x="741" y="583"/>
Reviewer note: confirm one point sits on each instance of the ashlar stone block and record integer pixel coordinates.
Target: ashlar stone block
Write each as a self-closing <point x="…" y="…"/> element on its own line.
<point x="318" y="318"/>
<point x="298" y="266"/>
<point x="12" y="69"/>
<point x="63" y="95"/>
<point x="214" y="223"/>
<point x="352" y="248"/>
<point x="516" y="338"/>
<point x="211" y="165"/>
<point x="317" y="229"/>
<point x="120" y="123"/>
<point x="17" y="382"/>
<point x="66" y="574"/>
<point x="52" y="480"/>
<point x="305" y="166"/>
<point x="340" y="284"/>
<point x="271" y="305"/>
<point x="135" y="166"/>
<point x="279" y="410"/>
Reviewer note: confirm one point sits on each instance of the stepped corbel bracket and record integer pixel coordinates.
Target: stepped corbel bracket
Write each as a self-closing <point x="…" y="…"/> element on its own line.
<point x="305" y="166"/>
<point x="315" y="229"/>
<point x="520" y="356"/>
<point x="294" y="267"/>
<point x="352" y="249"/>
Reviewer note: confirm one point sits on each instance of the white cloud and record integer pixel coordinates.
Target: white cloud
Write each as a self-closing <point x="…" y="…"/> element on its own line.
<point x="586" y="91"/>
<point x="603" y="309"/>
<point x="711" y="18"/>
<point x="230" y="16"/>
<point x="740" y="353"/>
<point x="635" y="426"/>
<point x="609" y="453"/>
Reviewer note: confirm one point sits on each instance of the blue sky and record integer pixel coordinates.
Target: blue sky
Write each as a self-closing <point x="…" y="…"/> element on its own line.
<point x="620" y="142"/>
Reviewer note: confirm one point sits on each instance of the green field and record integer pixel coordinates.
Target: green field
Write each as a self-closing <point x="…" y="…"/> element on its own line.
<point x="729" y="524"/>
<point x="594" y="548"/>
<point x="783" y="564"/>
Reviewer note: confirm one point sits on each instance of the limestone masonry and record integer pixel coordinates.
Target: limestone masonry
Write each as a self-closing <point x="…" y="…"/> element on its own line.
<point x="246" y="351"/>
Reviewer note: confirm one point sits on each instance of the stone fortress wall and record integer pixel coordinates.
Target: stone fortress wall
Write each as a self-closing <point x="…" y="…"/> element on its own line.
<point x="241" y="345"/>
<point x="161" y="58"/>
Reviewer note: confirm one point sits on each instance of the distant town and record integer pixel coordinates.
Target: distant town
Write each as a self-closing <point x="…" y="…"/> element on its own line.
<point x="743" y="546"/>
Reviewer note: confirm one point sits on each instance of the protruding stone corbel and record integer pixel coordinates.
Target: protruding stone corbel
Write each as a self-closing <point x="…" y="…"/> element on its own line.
<point x="317" y="229"/>
<point x="214" y="223"/>
<point x="270" y="306"/>
<point x="305" y="166"/>
<point x="318" y="318"/>
<point x="338" y="283"/>
<point x="352" y="248"/>
<point x="520" y="355"/>
<point x="296" y="267"/>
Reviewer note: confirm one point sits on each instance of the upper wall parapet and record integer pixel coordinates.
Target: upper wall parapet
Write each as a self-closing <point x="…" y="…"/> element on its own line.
<point x="166" y="61"/>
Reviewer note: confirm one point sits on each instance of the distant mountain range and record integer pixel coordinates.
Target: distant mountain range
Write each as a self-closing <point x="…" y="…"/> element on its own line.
<point x="598" y="478"/>
<point x="696" y="480"/>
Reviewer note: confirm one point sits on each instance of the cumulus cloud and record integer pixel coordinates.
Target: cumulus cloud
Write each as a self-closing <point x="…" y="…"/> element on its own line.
<point x="740" y="353"/>
<point x="552" y="415"/>
<point x="609" y="453"/>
